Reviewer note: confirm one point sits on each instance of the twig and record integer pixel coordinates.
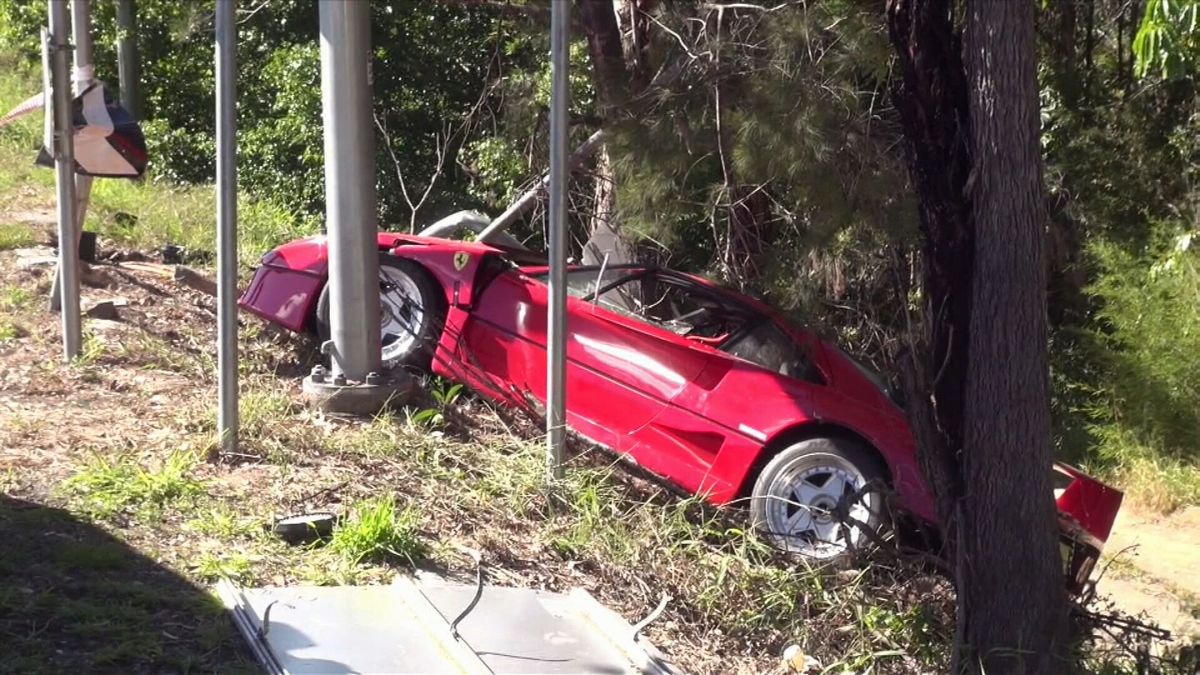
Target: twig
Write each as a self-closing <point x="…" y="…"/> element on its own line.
<point x="441" y="147"/>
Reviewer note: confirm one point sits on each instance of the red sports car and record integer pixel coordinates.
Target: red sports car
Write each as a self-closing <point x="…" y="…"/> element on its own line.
<point x="710" y="389"/>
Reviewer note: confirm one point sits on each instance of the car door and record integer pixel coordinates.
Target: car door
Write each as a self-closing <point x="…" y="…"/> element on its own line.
<point x="619" y="374"/>
<point x="656" y="325"/>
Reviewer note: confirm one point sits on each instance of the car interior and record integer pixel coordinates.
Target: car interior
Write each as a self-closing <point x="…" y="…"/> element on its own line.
<point x="675" y="303"/>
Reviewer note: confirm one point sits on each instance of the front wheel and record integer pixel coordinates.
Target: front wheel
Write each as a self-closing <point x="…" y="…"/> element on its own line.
<point x="411" y="313"/>
<point x="817" y="496"/>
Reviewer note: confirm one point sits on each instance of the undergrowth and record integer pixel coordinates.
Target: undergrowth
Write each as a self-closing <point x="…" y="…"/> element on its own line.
<point x="1144" y="416"/>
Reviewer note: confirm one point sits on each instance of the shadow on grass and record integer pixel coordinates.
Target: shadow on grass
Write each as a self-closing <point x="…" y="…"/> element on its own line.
<point x="75" y="599"/>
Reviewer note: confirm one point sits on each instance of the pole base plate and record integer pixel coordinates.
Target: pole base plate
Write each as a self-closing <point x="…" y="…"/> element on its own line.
<point x="359" y="398"/>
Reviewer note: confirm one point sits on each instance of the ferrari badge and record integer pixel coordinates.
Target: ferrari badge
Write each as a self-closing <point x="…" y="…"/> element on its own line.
<point x="460" y="260"/>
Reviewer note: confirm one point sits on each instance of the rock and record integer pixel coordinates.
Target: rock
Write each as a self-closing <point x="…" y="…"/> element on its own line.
<point x="37" y="256"/>
<point x="796" y="661"/>
<point x="103" y="309"/>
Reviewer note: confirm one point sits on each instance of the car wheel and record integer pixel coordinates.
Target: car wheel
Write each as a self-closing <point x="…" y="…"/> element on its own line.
<point x="801" y="496"/>
<point x="411" y="313"/>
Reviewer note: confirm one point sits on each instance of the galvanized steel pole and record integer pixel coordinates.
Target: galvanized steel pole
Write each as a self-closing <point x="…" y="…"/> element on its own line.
<point x="227" y="253"/>
<point x="556" y="380"/>
<point x="350" y="188"/>
<point x="127" y="58"/>
<point x="64" y="177"/>
<point x="84" y="76"/>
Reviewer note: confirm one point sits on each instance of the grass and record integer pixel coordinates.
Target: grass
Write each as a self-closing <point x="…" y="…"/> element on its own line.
<point x="73" y="598"/>
<point x="105" y="487"/>
<point x="377" y="530"/>
<point x="16" y="235"/>
<point x="1161" y="484"/>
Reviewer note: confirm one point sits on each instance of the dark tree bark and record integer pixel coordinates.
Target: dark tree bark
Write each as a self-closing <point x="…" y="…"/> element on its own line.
<point x="1013" y="587"/>
<point x="931" y="98"/>
<point x="1058" y="29"/>
<point x="979" y="385"/>
<point x="608" y="57"/>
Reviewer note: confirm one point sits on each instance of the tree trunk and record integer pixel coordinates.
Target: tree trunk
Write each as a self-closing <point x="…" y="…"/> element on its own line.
<point x="605" y="238"/>
<point x="1058" y="30"/>
<point x="931" y="98"/>
<point x="1013" y="588"/>
<point x="608" y="60"/>
<point x="619" y="76"/>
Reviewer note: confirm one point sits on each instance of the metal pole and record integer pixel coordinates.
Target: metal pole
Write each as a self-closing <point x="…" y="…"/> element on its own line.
<point x="64" y="177"/>
<point x="350" y="189"/>
<point x="83" y="76"/>
<point x="81" y="28"/>
<point x="227" y="253"/>
<point x="556" y="380"/>
<point x="127" y="58"/>
<point x="526" y="200"/>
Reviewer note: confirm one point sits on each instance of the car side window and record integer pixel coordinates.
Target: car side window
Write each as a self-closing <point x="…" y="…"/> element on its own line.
<point x="659" y="300"/>
<point x="768" y="346"/>
<point x="675" y="306"/>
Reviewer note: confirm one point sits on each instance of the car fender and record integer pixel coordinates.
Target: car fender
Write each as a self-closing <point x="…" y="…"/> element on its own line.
<point x="285" y="287"/>
<point x="288" y="282"/>
<point x="890" y="439"/>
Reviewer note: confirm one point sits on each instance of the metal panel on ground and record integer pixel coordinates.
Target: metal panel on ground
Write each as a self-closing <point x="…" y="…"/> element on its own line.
<point x="406" y="628"/>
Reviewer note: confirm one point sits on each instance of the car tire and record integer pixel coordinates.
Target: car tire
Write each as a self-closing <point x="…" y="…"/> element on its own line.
<point x="800" y="492"/>
<point x="412" y="312"/>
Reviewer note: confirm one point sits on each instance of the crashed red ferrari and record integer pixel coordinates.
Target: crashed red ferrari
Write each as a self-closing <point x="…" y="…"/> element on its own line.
<point x="710" y="389"/>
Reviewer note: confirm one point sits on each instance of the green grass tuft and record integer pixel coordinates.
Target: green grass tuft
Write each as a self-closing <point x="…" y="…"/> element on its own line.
<point x="378" y="530"/>
<point x="105" y="487"/>
<point x="16" y="235"/>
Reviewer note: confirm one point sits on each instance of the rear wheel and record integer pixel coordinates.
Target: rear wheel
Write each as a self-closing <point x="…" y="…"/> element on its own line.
<point x="412" y="311"/>
<point x="817" y="496"/>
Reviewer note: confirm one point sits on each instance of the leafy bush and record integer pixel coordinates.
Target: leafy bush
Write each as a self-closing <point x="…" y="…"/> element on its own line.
<point x="1142" y="400"/>
<point x="1149" y="343"/>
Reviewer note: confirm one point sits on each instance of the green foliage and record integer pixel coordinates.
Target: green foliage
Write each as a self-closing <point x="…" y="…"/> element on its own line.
<point x="444" y="394"/>
<point x="1122" y="161"/>
<point x="16" y="235"/>
<point x="1145" y="350"/>
<point x="233" y="566"/>
<point x="378" y="530"/>
<point x="1168" y="39"/>
<point x="816" y="162"/>
<point x="499" y="169"/>
<point x="279" y="111"/>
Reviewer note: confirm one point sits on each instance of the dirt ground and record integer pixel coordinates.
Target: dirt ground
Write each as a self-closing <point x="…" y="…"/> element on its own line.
<point x="1156" y="568"/>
